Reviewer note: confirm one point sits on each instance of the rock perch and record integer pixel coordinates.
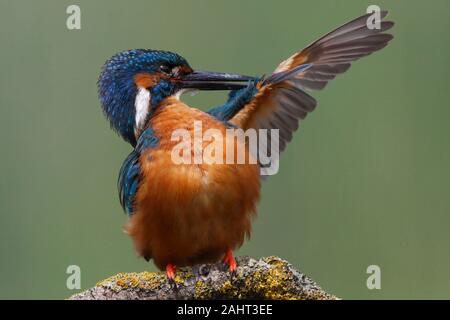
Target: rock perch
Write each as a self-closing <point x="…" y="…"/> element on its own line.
<point x="266" y="278"/>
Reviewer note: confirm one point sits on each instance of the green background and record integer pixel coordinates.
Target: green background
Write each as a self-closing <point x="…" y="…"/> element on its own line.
<point x="365" y="181"/>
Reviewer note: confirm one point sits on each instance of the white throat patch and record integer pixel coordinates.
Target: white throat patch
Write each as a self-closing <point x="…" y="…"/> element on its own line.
<point x="142" y="105"/>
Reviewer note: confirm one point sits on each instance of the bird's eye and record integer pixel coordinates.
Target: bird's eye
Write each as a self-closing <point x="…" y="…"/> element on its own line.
<point x="165" y="69"/>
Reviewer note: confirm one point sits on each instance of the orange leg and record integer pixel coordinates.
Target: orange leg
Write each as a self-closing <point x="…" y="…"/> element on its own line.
<point x="170" y="271"/>
<point x="229" y="259"/>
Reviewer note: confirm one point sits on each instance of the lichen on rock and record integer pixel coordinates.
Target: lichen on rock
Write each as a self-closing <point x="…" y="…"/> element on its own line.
<point x="266" y="278"/>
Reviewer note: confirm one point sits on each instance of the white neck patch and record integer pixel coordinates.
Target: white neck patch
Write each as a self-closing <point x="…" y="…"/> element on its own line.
<point x="142" y="105"/>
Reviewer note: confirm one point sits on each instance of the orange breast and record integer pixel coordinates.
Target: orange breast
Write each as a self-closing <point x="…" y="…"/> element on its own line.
<point x="190" y="213"/>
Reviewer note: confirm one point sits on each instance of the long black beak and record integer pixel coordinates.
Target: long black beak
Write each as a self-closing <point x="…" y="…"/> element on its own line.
<point x="205" y="80"/>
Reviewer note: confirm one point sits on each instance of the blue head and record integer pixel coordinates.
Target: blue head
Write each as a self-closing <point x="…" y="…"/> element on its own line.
<point x="133" y="83"/>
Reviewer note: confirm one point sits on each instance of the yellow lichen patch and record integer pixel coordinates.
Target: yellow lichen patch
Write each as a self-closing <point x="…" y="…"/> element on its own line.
<point x="122" y="281"/>
<point x="230" y="291"/>
<point x="275" y="261"/>
<point x="110" y="280"/>
<point x="202" y="290"/>
<point x="143" y="280"/>
<point x="279" y="275"/>
<point x="276" y="281"/>
<point x="151" y="280"/>
<point x="183" y="275"/>
<point x="128" y="282"/>
<point x="271" y="283"/>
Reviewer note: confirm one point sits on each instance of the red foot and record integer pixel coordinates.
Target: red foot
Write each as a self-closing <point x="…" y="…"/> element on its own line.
<point x="170" y="271"/>
<point x="229" y="259"/>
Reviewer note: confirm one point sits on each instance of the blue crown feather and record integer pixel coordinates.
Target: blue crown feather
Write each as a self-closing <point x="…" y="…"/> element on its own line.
<point x="117" y="90"/>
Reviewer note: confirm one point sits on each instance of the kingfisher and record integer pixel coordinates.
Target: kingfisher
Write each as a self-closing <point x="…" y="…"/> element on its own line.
<point x="183" y="214"/>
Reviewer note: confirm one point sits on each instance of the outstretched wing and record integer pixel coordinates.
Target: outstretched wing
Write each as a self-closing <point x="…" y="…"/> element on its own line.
<point x="280" y="101"/>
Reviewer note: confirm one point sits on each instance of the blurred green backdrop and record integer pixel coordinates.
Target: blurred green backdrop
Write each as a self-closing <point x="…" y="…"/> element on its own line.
<point x="365" y="181"/>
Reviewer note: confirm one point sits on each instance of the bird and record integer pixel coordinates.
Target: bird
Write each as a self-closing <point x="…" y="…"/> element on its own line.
<point x="184" y="214"/>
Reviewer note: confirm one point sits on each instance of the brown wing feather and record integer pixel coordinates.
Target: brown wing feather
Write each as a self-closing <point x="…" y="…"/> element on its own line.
<point x="333" y="53"/>
<point x="281" y="101"/>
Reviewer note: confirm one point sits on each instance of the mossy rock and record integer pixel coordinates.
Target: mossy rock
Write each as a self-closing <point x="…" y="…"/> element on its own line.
<point x="266" y="278"/>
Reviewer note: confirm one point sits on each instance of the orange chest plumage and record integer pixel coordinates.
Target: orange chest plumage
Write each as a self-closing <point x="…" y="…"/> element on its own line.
<point x="188" y="213"/>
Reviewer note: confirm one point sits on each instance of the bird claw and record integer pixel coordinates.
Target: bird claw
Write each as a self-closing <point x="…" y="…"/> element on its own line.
<point x="170" y="272"/>
<point x="173" y="285"/>
<point x="230" y="261"/>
